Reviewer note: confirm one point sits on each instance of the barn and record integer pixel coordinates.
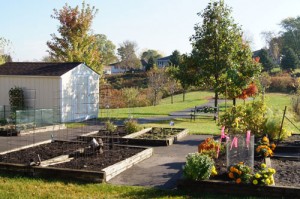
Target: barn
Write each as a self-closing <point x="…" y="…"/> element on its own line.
<point x="69" y="89"/>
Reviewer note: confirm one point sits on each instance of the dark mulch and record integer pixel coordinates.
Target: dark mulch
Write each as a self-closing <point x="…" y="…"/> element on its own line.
<point x="97" y="162"/>
<point x="45" y="151"/>
<point x="88" y="159"/>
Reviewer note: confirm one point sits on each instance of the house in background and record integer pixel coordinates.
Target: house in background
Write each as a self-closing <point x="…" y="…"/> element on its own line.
<point x="116" y="69"/>
<point x="71" y="89"/>
<point x="163" y="62"/>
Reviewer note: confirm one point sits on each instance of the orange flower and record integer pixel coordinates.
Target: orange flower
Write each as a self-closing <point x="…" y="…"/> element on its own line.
<point x="232" y="169"/>
<point x="230" y="175"/>
<point x="238" y="181"/>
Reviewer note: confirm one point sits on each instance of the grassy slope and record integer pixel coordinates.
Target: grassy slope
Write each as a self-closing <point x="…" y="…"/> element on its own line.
<point x="163" y="109"/>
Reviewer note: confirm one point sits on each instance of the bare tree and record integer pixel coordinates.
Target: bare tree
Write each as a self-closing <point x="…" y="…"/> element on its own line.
<point x="157" y="79"/>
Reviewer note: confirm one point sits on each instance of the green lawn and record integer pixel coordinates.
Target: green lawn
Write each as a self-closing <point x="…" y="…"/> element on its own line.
<point x="22" y="187"/>
<point x="163" y="109"/>
<point x="202" y="125"/>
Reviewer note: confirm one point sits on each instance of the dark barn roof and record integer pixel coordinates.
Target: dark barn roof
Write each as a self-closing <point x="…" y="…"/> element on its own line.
<point x="37" y="68"/>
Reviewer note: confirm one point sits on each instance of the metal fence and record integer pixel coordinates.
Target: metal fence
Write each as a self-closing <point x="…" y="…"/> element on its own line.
<point x="36" y="118"/>
<point x="4" y="112"/>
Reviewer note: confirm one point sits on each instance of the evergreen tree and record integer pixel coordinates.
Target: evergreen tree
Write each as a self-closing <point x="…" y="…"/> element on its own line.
<point x="266" y="61"/>
<point x="290" y="60"/>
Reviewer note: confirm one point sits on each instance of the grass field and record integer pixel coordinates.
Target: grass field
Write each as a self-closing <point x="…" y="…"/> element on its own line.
<point x="22" y="187"/>
<point x="163" y="109"/>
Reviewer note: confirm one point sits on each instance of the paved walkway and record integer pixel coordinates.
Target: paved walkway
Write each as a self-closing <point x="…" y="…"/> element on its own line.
<point x="163" y="168"/>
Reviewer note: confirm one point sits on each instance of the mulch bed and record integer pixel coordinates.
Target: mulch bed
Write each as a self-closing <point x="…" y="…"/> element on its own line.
<point x="160" y="133"/>
<point x="88" y="160"/>
<point x="45" y="151"/>
<point x="97" y="162"/>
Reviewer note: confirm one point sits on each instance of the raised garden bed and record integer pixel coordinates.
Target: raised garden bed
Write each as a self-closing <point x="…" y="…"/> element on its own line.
<point x="154" y="136"/>
<point x="73" y="161"/>
<point x="287" y="181"/>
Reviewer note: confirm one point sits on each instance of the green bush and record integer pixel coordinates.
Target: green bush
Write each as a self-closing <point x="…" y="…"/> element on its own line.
<point x="3" y="122"/>
<point x="272" y="127"/>
<point x="131" y="126"/>
<point x="241" y="118"/>
<point x="110" y="126"/>
<point x="198" y="166"/>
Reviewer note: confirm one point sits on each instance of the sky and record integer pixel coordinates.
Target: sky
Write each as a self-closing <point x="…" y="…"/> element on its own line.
<point x="163" y="25"/>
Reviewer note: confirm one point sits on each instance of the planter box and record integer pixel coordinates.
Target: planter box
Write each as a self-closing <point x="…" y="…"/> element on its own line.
<point x="222" y="187"/>
<point x="75" y="174"/>
<point x="133" y="139"/>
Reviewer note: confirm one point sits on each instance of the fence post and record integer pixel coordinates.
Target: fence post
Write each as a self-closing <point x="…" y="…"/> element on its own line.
<point x="281" y="125"/>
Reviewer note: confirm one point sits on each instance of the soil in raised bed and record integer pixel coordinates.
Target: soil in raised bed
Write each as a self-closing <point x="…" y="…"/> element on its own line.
<point x="160" y="133"/>
<point x="119" y="132"/>
<point x="96" y="162"/>
<point x="45" y="151"/>
<point x="287" y="172"/>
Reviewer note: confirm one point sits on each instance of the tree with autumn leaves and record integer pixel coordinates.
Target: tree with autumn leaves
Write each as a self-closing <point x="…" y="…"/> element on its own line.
<point x="224" y="60"/>
<point x="76" y="42"/>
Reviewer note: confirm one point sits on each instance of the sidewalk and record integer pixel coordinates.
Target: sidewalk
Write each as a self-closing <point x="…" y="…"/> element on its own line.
<point x="163" y="168"/>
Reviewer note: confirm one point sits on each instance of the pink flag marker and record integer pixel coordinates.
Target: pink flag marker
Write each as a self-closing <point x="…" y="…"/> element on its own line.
<point x="234" y="143"/>
<point x="248" y="136"/>
<point x="223" y="132"/>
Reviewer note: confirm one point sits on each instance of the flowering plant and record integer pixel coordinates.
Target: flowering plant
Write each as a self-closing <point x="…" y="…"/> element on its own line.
<point x="198" y="167"/>
<point x="210" y="147"/>
<point x="240" y="173"/>
<point x="264" y="176"/>
<point x="264" y="148"/>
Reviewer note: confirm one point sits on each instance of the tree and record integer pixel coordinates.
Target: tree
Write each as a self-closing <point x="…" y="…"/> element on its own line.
<point x="157" y="80"/>
<point x="126" y="52"/>
<point x="76" y="43"/>
<point x="291" y="36"/>
<point x="5" y="48"/>
<point x="175" y="58"/>
<point x="106" y="49"/>
<point x="154" y="54"/>
<point x="184" y="73"/>
<point x="290" y="60"/>
<point x="224" y="60"/>
<point x="150" y="64"/>
<point x="266" y="61"/>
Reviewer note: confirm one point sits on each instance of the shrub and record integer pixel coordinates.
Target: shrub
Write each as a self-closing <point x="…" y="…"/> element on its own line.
<point x="131" y="126"/>
<point x="272" y="127"/>
<point x="283" y="82"/>
<point x="110" y="127"/>
<point x="198" y="166"/>
<point x="3" y="122"/>
<point x="240" y="173"/>
<point x="241" y="118"/>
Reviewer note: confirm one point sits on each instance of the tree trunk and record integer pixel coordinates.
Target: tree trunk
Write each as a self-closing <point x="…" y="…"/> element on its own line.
<point x="155" y="96"/>
<point x="172" y="98"/>
<point x="234" y="101"/>
<point x="183" y="95"/>
<point x="216" y="98"/>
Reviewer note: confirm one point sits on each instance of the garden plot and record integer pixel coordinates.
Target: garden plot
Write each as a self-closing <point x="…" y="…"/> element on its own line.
<point x="155" y="136"/>
<point x="74" y="160"/>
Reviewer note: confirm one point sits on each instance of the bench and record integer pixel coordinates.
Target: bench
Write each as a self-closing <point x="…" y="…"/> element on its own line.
<point x="201" y="110"/>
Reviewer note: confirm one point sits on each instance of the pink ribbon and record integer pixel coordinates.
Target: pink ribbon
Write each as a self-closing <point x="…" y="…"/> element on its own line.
<point x="218" y="149"/>
<point x="248" y="138"/>
<point x="223" y="132"/>
<point x="234" y="143"/>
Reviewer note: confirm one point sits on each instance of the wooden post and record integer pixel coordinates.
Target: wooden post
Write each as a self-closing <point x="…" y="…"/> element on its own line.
<point x="281" y="124"/>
